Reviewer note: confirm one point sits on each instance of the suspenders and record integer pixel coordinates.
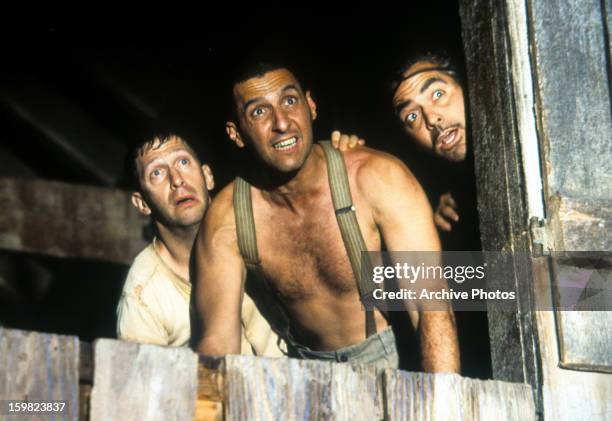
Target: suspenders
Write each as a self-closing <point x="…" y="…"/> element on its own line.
<point x="347" y="222"/>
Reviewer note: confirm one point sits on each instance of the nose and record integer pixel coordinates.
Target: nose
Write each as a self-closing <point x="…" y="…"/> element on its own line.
<point x="281" y="121"/>
<point x="432" y="117"/>
<point x="176" y="178"/>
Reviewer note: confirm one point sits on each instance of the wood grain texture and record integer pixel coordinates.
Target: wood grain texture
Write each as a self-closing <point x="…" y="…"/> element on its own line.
<point x="36" y="366"/>
<point x="67" y="220"/>
<point x="571" y="69"/>
<point x="275" y="389"/>
<point x="571" y="48"/>
<point x="501" y="191"/>
<point x="211" y="388"/>
<point x="444" y="396"/>
<point x="142" y="382"/>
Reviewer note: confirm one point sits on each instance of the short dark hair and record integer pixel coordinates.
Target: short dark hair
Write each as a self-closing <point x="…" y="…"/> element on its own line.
<point x="256" y="64"/>
<point x="441" y="60"/>
<point x="152" y="141"/>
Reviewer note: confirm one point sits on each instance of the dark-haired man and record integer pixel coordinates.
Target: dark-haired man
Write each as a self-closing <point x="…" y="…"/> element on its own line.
<point x="280" y="220"/>
<point x="428" y="100"/>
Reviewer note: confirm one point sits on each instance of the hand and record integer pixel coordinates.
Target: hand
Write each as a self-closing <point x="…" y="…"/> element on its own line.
<point x="344" y="142"/>
<point x="446" y="212"/>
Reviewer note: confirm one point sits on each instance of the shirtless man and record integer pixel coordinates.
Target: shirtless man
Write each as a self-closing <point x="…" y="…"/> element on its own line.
<point x="301" y="251"/>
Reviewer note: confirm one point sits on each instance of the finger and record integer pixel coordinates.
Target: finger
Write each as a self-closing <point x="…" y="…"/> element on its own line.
<point x="335" y="138"/>
<point x="344" y="142"/>
<point x="353" y="141"/>
<point x="442" y="223"/>
<point x="448" y="199"/>
<point x="449" y="213"/>
<point x="361" y="142"/>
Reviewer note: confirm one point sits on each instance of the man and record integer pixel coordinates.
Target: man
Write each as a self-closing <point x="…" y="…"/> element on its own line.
<point x="296" y="243"/>
<point x="173" y="189"/>
<point x="428" y="100"/>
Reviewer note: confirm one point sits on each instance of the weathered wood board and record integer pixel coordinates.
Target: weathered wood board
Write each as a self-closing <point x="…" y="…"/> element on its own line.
<point x="289" y="389"/>
<point x="142" y="382"/>
<point x="68" y="220"/>
<point x="502" y="207"/>
<point x="445" y="396"/>
<point x="571" y="63"/>
<point x="40" y="367"/>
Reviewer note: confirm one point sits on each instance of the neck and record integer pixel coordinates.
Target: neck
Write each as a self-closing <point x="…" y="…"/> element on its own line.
<point x="296" y="183"/>
<point x="174" y="247"/>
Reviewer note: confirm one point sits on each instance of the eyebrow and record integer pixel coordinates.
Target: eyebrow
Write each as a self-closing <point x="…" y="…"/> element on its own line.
<point x="251" y="101"/>
<point x="429" y="82"/>
<point x="159" y="158"/>
<point x="399" y="107"/>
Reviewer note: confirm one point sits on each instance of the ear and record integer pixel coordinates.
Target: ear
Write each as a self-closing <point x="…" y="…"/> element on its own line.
<point x="208" y="177"/>
<point x="312" y="105"/>
<point x="232" y="132"/>
<point x="140" y="204"/>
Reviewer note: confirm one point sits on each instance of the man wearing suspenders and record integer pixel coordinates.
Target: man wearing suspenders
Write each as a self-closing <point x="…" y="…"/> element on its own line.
<point x="300" y="220"/>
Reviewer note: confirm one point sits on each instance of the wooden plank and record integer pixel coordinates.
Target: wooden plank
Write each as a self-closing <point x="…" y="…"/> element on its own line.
<point x="567" y="394"/>
<point x="580" y="224"/>
<point x="571" y="69"/>
<point x="142" y="382"/>
<point x="36" y="366"/>
<point x="444" y="396"/>
<point x="67" y="220"/>
<point x="502" y="206"/>
<point x="571" y="47"/>
<point x="274" y="389"/>
<point x="209" y="405"/>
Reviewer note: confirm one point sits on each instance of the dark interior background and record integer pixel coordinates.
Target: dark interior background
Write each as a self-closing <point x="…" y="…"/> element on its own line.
<point x="125" y="79"/>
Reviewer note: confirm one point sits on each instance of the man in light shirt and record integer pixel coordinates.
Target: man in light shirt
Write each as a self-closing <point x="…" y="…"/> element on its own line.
<point x="173" y="189"/>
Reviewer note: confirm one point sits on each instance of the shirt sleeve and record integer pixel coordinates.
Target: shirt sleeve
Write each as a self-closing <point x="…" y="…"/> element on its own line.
<point x="136" y="322"/>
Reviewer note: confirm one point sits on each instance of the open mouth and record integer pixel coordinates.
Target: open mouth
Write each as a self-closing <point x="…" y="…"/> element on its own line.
<point x="185" y="201"/>
<point x="448" y="138"/>
<point x="286" y="144"/>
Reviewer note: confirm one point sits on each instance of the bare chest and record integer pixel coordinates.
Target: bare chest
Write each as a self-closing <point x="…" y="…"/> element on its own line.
<point x="302" y="251"/>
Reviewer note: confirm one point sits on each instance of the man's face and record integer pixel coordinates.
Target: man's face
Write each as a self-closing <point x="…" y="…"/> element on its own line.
<point x="174" y="186"/>
<point x="275" y="119"/>
<point x="431" y="109"/>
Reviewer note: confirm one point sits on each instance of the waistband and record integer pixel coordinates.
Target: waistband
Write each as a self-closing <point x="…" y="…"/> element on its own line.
<point x="384" y="340"/>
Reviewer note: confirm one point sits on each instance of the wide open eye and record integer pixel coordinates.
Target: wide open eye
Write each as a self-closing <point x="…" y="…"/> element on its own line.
<point x="257" y="112"/>
<point x="411" y="118"/>
<point x="157" y="175"/>
<point x="438" y="93"/>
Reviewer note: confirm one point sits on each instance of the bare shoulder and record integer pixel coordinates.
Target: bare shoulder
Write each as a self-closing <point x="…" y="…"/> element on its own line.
<point x="379" y="173"/>
<point x="219" y="222"/>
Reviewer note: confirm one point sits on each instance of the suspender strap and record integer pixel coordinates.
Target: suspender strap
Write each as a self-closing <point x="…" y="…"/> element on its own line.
<point x="264" y="298"/>
<point x="349" y="227"/>
<point x="245" y="224"/>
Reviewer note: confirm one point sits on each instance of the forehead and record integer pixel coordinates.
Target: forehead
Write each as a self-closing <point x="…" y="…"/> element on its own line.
<point x="410" y="87"/>
<point x="262" y="86"/>
<point x="159" y="151"/>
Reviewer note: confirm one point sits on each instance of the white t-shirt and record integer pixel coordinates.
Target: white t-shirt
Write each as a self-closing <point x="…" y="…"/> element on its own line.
<point x="154" y="309"/>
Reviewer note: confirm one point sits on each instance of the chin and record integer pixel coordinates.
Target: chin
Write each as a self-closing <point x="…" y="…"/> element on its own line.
<point x="457" y="154"/>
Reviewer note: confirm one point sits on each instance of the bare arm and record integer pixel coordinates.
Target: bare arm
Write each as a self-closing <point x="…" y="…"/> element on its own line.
<point x="403" y="214"/>
<point x="219" y="274"/>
